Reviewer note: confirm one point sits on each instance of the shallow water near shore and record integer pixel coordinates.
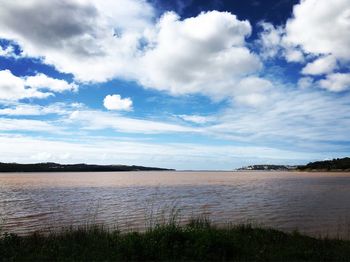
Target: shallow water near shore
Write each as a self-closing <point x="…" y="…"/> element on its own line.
<point x="315" y="203"/>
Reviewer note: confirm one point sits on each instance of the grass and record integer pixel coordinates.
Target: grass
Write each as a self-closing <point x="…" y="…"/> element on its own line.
<point x="199" y="240"/>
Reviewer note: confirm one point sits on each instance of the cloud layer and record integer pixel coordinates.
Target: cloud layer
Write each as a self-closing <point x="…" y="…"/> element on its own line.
<point x="171" y="155"/>
<point x="96" y="42"/>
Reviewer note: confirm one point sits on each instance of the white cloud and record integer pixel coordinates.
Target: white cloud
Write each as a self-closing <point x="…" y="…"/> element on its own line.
<point x="293" y="54"/>
<point x="97" y="120"/>
<point x="98" y="41"/>
<point x="7" y="52"/>
<point x="295" y="118"/>
<point x="291" y="118"/>
<point x="75" y="118"/>
<point x="21" y="109"/>
<point x="171" y="155"/>
<point x="336" y="82"/>
<point x="252" y="91"/>
<point x="14" y="88"/>
<point x="305" y="82"/>
<point x="115" y="102"/>
<point x="317" y="32"/>
<point x="323" y="65"/>
<point x="252" y="99"/>
<point x="41" y="157"/>
<point x="91" y="39"/>
<point x="41" y="81"/>
<point x="270" y="40"/>
<point x="205" y="54"/>
<point x="197" y="119"/>
<point x="290" y="126"/>
<point x="11" y="124"/>
<point x="321" y="27"/>
<point x="272" y="43"/>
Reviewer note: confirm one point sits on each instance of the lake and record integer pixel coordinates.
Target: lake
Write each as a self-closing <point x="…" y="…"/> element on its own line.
<point x="315" y="203"/>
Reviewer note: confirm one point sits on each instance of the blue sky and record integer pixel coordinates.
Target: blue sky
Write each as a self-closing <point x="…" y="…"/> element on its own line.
<point x="178" y="84"/>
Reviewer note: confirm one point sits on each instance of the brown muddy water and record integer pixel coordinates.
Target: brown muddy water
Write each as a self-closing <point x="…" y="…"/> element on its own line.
<point x="314" y="203"/>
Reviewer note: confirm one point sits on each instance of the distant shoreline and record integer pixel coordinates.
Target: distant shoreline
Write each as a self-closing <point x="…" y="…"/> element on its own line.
<point x="54" y="167"/>
<point x="297" y="170"/>
<point x="334" y="165"/>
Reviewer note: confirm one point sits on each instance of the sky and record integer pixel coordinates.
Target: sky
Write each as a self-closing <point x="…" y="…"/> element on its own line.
<point x="202" y="85"/>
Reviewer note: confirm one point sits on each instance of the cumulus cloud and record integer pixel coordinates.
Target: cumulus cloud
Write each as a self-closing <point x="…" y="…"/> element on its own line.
<point x="252" y="91"/>
<point x="318" y="32"/>
<point x="293" y="54"/>
<point x="13" y="88"/>
<point x="322" y="65"/>
<point x="321" y="27"/>
<point x="270" y="39"/>
<point x="115" y="102"/>
<point x="336" y="82"/>
<point x="204" y="54"/>
<point x="305" y="82"/>
<point x="272" y="44"/>
<point x="41" y="81"/>
<point x="90" y="39"/>
<point x="98" y="40"/>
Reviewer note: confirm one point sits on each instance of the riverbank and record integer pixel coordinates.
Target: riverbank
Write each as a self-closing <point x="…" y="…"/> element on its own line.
<point x="197" y="241"/>
<point x="55" y="167"/>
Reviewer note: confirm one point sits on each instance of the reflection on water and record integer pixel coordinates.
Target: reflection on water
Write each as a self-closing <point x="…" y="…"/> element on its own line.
<point x="315" y="203"/>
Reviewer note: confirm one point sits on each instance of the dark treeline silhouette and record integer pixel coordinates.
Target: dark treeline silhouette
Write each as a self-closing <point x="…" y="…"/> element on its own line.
<point x="54" y="167"/>
<point x="341" y="164"/>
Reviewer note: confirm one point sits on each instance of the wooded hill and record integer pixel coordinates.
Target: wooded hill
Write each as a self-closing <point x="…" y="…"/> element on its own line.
<point x="54" y="167"/>
<point x="337" y="164"/>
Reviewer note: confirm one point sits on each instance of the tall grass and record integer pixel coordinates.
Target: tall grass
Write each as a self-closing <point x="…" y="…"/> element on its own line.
<point x="198" y="240"/>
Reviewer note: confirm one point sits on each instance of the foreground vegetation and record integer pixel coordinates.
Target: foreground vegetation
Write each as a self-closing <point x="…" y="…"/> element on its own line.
<point x="199" y="240"/>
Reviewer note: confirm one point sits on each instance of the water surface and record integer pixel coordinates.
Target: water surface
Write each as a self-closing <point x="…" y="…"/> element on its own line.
<point x="314" y="203"/>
